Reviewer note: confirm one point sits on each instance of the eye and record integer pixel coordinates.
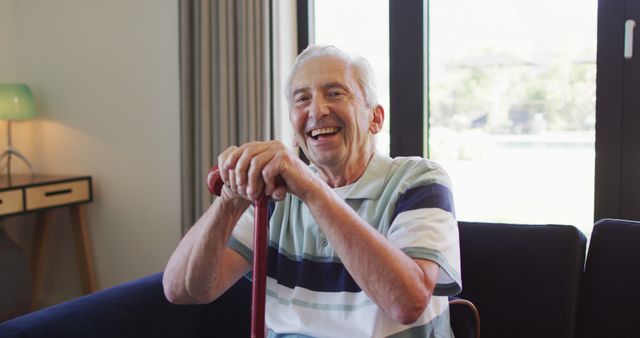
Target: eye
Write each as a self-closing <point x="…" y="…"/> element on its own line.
<point x="301" y="99"/>
<point x="336" y="93"/>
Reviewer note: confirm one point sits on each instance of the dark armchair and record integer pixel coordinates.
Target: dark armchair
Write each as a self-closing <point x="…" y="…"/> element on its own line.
<point x="524" y="279"/>
<point x="610" y="299"/>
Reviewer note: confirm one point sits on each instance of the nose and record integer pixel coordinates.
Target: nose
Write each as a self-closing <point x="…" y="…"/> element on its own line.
<point x="318" y="107"/>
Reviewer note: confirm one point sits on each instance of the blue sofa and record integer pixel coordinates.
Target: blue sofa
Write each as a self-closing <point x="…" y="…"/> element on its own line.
<point x="137" y="309"/>
<point x="526" y="281"/>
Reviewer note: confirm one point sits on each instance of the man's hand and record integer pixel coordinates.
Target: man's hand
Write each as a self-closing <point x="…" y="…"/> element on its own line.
<point x="251" y="169"/>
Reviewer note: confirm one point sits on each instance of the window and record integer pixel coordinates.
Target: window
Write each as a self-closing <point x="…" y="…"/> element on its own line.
<point x="359" y="27"/>
<point x="508" y="103"/>
<point x="512" y="107"/>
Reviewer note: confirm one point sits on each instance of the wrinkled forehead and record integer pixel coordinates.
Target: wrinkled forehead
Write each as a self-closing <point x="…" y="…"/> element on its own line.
<point x="320" y="70"/>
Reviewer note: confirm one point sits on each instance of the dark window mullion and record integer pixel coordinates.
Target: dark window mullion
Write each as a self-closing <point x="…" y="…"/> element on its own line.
<point x="609" y="92"/>
<point x="630" y="176"/>
<point x="303" y="20"/>
<point x="406" y="77"/>
<point x="302" y="13"/>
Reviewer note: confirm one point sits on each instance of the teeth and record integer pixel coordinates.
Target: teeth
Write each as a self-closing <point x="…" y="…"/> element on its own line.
<point x="323" y="131"/>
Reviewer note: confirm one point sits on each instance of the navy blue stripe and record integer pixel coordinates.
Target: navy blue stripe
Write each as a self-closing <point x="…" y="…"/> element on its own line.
<point x="316" y="276"/>
<point x="427" y="196"/>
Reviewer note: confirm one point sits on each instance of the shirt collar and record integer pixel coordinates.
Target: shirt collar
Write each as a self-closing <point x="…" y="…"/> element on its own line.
<point x="371" y="183"/>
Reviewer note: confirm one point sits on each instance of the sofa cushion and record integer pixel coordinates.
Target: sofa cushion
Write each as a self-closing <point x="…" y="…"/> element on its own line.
<point x="610" y="300"/>
<point x="523" y="279"/>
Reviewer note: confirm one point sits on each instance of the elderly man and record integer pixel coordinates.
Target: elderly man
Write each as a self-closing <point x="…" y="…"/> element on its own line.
<point x="361" y="245"/>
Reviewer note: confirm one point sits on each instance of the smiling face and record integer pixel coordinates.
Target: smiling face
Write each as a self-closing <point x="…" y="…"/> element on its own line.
<point x="332" y="122"/>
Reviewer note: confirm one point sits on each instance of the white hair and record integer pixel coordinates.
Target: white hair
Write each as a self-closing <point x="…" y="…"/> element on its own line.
<point x="362" y="70"/>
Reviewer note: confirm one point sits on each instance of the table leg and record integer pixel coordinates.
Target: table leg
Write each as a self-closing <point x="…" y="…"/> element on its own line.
<point x="38" y="248"/>
<point x="83" y="249"/>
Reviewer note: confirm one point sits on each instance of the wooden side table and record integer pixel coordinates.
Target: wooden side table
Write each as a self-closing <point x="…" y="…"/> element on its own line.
<point x="21" y="194"/>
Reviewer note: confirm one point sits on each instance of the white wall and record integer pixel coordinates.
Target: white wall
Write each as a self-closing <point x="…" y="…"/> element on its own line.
<point x="105" y="78"/>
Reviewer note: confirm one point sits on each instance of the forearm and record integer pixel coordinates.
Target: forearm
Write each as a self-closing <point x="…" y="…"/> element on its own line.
<point x="393" y="280"/>
<point x="195" y="272"/>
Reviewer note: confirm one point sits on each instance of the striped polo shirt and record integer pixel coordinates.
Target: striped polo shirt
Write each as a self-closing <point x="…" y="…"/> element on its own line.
<point x="309" y="291"/>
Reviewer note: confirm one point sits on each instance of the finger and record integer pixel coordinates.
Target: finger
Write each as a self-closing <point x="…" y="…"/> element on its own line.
<point x="269" y="173"/>
<point x="255" y="182"/>
<point x="221" y="160"/>
<point x="232" y="180"/>
<point x="232" y="156"/>
<point x="241" y="190"/>
<point x="279" y="193"/>
<point x="227" y="194"/>
<point x="224" y="158"/>
<point x="279" y="171"/>
<point x="244" y="162"/>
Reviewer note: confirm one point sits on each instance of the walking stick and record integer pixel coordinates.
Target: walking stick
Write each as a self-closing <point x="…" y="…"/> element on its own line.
<point x="260" y="245"/>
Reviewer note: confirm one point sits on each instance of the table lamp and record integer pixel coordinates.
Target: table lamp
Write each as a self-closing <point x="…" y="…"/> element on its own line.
<point x="16" y="103"/>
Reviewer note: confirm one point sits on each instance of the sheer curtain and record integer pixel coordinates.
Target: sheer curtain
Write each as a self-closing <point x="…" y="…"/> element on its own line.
<point x="225" y="78"/>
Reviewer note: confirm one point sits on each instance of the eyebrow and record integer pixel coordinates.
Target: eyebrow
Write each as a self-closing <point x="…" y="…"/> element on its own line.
<point x="330" y="85"/>
<point x="300" y="90"/>
<point x="325" y="86"/>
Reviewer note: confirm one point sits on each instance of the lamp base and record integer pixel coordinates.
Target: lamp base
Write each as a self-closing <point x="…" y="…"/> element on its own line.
<point x="7" y="166"/>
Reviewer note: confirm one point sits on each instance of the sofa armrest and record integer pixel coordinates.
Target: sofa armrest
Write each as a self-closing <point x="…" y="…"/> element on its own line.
<point x="138" y="309"/>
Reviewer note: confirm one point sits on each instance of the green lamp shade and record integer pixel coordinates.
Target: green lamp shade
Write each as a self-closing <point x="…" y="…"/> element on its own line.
<point x="16" y="102"/>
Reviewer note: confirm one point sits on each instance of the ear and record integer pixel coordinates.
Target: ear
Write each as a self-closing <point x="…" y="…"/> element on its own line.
<point x="377" y="120"/>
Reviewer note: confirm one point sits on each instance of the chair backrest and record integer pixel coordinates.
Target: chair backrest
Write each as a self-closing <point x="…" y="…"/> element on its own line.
<point x="524" y="279"/>
<point x="610" y="299"/>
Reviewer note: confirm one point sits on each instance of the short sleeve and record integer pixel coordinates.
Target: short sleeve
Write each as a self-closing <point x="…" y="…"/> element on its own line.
<point x="424" y="226"/>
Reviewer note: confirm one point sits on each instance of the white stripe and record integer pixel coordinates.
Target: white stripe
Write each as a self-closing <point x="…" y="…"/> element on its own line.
<point x="289" y="311"/>
<point x="333" y="300"/>
<point x="431" y="228"/>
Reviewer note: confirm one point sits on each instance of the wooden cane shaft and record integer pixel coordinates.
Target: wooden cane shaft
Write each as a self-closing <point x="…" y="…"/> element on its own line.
<point x="260" y="247"/>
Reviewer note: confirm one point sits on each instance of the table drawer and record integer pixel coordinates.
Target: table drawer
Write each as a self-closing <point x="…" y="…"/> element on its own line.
<point x="57" y="194"/>
<point x="11" y="201"/>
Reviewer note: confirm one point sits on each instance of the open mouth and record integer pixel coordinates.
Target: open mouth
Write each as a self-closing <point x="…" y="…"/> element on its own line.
<point x="317" y="134"/>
